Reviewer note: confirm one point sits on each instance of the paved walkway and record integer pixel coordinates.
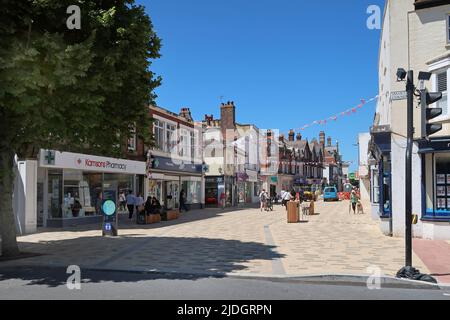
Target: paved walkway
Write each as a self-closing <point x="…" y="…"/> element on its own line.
<point x="241" y="241"/>
<point x="436" y="255"/>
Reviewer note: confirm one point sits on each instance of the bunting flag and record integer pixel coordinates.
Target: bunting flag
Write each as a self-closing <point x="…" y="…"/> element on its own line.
<point x="347" y="112"/>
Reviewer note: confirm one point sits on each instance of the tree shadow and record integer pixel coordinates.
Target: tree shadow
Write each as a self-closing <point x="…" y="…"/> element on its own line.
<point x="125" y="223"/>
<point x="132" y="259"/>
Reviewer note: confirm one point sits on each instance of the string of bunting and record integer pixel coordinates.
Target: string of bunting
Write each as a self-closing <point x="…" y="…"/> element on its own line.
<point x="336" y="116"/>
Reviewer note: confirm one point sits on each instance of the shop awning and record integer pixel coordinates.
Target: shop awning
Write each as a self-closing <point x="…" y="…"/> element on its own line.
<point x="379" y="144"/>
<point x="435" y="145"/>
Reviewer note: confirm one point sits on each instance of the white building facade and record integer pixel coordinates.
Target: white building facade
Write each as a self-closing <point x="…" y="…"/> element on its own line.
<point x="415" y="37"/>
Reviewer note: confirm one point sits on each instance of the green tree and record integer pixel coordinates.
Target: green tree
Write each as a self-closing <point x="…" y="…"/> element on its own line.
<point x="80" y="90"/>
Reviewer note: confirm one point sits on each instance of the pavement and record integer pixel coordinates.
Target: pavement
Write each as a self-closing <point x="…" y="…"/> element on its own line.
<point x="242" y="242"/>
<point x="50" y="283"/>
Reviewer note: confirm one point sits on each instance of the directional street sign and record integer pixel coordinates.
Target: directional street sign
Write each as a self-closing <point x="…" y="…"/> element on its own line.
<point x="398" y="95"/>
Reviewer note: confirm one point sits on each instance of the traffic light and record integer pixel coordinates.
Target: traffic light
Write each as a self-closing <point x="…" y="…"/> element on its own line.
<point x="427" y="98"/>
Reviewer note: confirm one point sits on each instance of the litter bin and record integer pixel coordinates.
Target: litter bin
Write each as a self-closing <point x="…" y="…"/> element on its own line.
<point x="292" y="212"/>
<point x="311" y="208"/>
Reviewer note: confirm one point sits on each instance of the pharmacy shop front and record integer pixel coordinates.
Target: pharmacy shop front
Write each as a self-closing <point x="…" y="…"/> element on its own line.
<point x="71" y="186"/>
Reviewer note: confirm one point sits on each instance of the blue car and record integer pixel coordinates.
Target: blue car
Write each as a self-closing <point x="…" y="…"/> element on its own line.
<point x="330" y="194"/>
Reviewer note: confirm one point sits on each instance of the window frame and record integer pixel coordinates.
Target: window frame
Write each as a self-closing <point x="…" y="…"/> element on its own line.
<point x="448" y="28"/>
<point x="160" y="126"/>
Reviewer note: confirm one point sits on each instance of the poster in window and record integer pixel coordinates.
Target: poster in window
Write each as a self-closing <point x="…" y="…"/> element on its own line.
<point x="440" y="178"/>
<point x="441" y="203"/>
<point x="440" y="191"/>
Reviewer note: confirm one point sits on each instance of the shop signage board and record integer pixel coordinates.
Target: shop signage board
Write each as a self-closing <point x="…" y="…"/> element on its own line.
<point x="164" y="163"/>
<point x="252" y="176"/>
<point x="77" y="161"/>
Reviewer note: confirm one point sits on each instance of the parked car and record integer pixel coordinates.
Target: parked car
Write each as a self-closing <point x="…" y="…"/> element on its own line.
<point x="330" y="194"/>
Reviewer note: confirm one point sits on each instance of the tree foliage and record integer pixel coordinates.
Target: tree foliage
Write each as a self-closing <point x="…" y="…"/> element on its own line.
<point x="83" y="90"/>
<point x="75" y="89"/>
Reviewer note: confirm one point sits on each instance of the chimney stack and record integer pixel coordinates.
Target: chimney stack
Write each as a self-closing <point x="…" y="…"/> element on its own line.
<point x="322" y="139"/>
<point x="291" y="135"/>
<point x="299" y="136"/>
<point x="329" y="142"/>
<point x="186" y="113"/>
<point x="228" y="115"/>
<point x="281" y="137"/>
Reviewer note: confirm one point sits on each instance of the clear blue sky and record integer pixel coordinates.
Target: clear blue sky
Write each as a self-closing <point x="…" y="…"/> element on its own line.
<point x="284" y="63"/>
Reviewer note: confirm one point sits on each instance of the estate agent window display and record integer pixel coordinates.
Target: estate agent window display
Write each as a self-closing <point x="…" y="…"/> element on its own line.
<point x="442" y="186"/>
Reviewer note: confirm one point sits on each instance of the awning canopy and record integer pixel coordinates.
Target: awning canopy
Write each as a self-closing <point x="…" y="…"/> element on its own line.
<point x="379" y="144"/>
<point x="435" y="145"/>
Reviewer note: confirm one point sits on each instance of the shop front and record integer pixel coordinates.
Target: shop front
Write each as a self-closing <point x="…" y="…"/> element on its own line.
<point x="381" y="180"/>
<point x="435" y="218"/>
<point x="166" y="178"/>
<point x="242" y="187"/>
<point x="214" y="191"/>
<point x="72" y="186"/>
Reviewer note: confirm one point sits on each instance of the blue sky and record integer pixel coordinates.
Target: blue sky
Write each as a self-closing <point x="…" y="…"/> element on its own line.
<point x="284" y="63"/>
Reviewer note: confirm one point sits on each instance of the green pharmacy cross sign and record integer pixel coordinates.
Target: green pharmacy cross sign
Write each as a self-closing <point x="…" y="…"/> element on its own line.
<point x="50" y="157"/>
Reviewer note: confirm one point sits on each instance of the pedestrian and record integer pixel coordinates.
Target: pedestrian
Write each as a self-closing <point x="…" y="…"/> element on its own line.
<point x="222" y="200"/>
<point x="149" y="208"/>
<point x="183" y="201"/>
<point x="130" y="203"/>
<point x="139" y="203"/>
<point x="282" y="194"/>
<point x="287" y="197"/>
<point x="354" y="200"/>
<point x="263" y="199"/>
<point x="122" y="201"/>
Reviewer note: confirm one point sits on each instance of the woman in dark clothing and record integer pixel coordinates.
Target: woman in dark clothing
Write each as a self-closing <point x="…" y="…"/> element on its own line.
<point x="149" y="206"/>
<point x="156" y="205"/>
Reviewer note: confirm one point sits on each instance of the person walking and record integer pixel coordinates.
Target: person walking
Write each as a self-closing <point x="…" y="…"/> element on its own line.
<point x="122" y="201"/>
<point x="131" y="200"/>
<point x="354" y="200"/>
<point x="139" y="203"/>
<point x="263" y="199"/>
<point x="282" y="194"/>
<point x="183" y="201"/>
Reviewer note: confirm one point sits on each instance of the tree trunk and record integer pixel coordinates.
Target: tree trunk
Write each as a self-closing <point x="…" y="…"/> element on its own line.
<point x="7" y="222"/>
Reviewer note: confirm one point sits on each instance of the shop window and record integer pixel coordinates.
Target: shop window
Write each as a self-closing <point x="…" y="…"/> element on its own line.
<point x="55" y="190"/>
<point x="375" y="192"/>
<point x="193" y="191"/>
<point x="441" y="183"/>
<point x="386" y="186"/>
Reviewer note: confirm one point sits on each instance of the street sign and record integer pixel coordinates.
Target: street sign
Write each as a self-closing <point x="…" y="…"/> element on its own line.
<point x="398" y="95"/>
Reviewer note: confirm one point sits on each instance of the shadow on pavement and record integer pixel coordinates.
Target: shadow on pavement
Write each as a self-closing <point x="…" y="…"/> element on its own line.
<point x="160" y="257"/>
<point x="125" y="223"/>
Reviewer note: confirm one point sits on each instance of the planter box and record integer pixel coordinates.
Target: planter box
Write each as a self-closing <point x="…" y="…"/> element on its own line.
<point x="172" y="215"/>
<point x="152" y="218"/>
